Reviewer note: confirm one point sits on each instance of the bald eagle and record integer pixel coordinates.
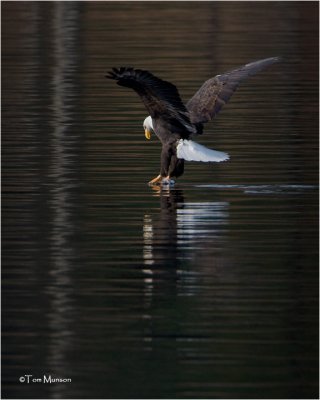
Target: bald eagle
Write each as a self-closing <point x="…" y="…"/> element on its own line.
<point x="176" y="124"/>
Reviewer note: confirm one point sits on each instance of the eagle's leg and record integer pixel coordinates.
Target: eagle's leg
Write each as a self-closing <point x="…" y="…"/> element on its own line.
<point x="166" y="170"/>
<point x="175" y="166"/>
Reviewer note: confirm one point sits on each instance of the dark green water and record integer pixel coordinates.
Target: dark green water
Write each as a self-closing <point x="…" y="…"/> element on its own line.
<point x="207" y="290"/>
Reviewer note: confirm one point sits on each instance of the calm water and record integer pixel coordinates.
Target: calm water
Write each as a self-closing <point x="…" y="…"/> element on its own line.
<point x="207" y="290"/>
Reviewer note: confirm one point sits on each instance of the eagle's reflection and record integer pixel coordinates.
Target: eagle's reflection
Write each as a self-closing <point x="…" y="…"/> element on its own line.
<point x="160" y="232"/>
<point x="178" y="241"/>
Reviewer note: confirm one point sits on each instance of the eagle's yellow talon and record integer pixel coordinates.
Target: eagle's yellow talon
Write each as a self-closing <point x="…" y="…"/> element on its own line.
<point x="156" y="180"/>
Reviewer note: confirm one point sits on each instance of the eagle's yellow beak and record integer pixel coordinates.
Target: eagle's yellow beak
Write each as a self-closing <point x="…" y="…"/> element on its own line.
<point x="147" y="133"/>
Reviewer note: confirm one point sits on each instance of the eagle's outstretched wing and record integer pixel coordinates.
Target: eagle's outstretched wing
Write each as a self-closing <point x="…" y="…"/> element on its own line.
<point x="161" y="98"/>
<point x="215" y="92"/>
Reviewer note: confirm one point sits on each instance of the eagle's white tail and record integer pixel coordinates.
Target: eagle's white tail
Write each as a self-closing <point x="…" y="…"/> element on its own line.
<point x="192" y="151"/>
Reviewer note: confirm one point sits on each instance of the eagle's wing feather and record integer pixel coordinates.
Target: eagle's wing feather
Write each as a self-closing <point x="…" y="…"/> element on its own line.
<point x="215" y="92"/>
<point x="161" y="98"/>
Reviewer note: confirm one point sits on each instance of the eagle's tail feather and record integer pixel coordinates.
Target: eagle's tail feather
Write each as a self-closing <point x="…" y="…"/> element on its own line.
<point x="192" y="151"/>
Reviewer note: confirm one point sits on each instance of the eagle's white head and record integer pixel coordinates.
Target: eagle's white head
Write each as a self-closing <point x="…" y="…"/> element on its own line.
<point x="148" y="127"/>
